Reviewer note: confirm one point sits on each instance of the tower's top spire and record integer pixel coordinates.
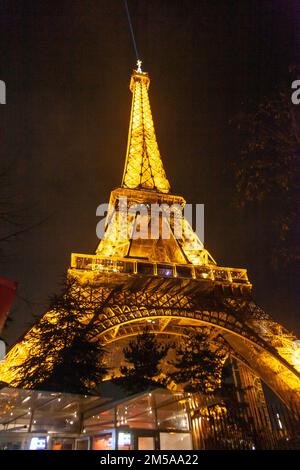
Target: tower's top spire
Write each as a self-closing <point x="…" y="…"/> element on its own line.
<point x="143" y="166"/>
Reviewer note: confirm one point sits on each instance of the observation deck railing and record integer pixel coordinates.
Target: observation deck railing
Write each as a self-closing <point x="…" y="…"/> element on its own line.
<point x="140" y="266"/>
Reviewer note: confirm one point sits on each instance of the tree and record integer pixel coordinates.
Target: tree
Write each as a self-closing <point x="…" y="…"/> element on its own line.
<point x="62" y="356"/>
<point x="268" y="169"/>
<point x="15" y="218"/>
<point x="79" y="367"/>
<point x="144" y="355"/>
<point x="197" y="367"/>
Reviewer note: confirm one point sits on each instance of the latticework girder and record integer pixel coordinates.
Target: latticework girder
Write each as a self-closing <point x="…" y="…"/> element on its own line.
<point x="175" y="306"/>
<point x="172" y="285"/>
<point x="143" y="167"/>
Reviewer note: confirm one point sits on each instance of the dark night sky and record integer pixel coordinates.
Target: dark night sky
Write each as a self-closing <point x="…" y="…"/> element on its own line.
<point x="67" y="66"/>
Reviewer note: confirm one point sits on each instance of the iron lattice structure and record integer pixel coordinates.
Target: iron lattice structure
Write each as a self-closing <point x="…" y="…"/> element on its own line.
<point x="143" y="167"/>
<point x="171" y="285"/>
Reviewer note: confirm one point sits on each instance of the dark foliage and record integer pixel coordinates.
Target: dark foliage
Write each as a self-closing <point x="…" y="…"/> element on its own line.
<point x="62" y="356"/>
<point x="144" y="355"/>
<point x="198" y="368"/>
<point x="268" y="169"/>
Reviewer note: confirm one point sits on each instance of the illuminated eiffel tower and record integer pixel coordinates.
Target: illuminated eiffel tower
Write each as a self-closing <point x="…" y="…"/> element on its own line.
<point x="171" y="285"/>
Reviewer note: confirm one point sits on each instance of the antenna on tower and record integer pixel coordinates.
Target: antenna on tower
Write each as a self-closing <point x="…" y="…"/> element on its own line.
<point x="132" y="34"/>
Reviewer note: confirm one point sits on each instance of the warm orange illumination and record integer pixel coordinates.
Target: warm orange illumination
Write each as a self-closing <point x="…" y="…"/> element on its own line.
<point x="172" y="284"/>
<point x="143" y="168"/>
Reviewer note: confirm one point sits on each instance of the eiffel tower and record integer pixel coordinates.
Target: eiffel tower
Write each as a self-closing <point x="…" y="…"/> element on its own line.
<point x="171" y="285"/>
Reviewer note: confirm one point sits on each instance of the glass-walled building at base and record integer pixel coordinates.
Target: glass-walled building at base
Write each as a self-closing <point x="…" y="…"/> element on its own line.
<point x="39" y="420"/>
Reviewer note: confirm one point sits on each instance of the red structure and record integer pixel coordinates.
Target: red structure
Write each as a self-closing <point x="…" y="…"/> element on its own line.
<point x="7" y="293"/>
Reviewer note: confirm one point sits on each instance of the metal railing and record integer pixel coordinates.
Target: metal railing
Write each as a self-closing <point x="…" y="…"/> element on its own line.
<point x="236" y="429"/>
<point x="145" y="267"/>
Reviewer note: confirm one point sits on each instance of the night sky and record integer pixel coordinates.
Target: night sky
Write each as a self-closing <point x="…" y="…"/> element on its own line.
<point x="64" y="128"/>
